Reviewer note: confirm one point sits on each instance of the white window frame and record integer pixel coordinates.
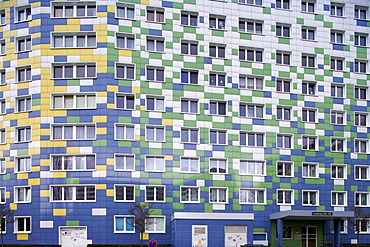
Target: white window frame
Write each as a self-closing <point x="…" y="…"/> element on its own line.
<point x="251" y="54"/>
<point x="189" y="103"/>
<point x="250" y="26"/>
<point x="306" y="60"/>
<point x="307" y="172"/>
<point x="16" y="222"/>
<point x="188" y="190"/>
<point x="27" y="74"/>
<point x="358" y="10"/>
<point x="3" y="77"/>
<point x="360" y="171"/>
<point x="344" y="223"/>
<point x="359" y="90"/>
<point x="251" y="82"/>
<point x="27" y="196"/>
<point x="155" y="219"/>
<point x="285" y="116"/>
<point x="158" y="72"/>
<point x="73" y="193"/>
<point x="63" y="96"/>
<point x="156" y="134"/>
<point x="125" y="97"/>
<point x="358" y="121"/>
<point x="255" y="191"/>
<point x="252" y="167"/>
<point x="358" y="37"/>
<point x="360" y="143"/>
<point x="217" y="79"/>
<point x="124" y="186"/>
<point x="285" y="145"/>
<point x="26" y="136"/>
<point x="309" y="87"/>
<point x="306" y="4"/>
<point x="283" y="85"/>
<point x="26" y="40"/>
<point x="2" y="166"/>
<point x="187" y="75"/>
<point x="308" y="138"/>
<point x="2" y="107"/>
<point x="2" y="196"/>
<point x="218" y="166"/>
<point x="74" y="127"/>
<point x="334" y="90"/>
<point x="281" y="30"/>
<point x="218" y="136"/>
<point x="26" y="9"/>
<point x="335" y="173"/>
<point x="89" y="40"/>
<point x="125" y="161"/>
<point x="281" y="57"/>
<point x="26" y="164"/>
<point x="284" y="192"/>
<point x="2" y="47"/>
<point x="26" y="102"/>
<point x="335" y="144"/>
<point x="218" y="189"/>
<point x="337" y="63"/>
<point x="88" y="68"/>
<point x="362" y="194"/>
<point x="73" y="158"/>
<point x="251" y="2"/>
<point x="336" y="194"/>
<point x="284" y="169"/>
<point x="335" y="117"/>
<point x="337" y="37"/>
<point x="188" y="44"/>
<point x="124" y="217"/>
<point x="358" y="66"/>
<point x="256" y="134"/>
<point x="126" y="8"/>
<point x="306" y="115"/>
<point x="187" y="16"/>
<point x="158" y="43"/>
<point x="334" y="9"/>
<point x="281" y="4"/>
<point x="317" y="197"/>
<point x="2" y="17"/>
<point x="156" y="14"/>
<point x="126" y="38"/>
<point x="188" y="135"/>
<point x="252" y="110"/>
<point x="159" y="163"/>
<point x="218" y="19"/>
<point x="218" y="102"/>
<point x="88" y="5"/>
<point x="219" y="50"/>
<point x="124" y="131"/>
<point x="364" y="229"/>
<point x="306" y="33"/>
<point x="189" y="164"/>
<point x="155" y="199"/>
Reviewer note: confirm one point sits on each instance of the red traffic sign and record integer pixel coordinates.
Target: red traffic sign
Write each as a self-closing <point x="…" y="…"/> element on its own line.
<point x="152" y="243"/>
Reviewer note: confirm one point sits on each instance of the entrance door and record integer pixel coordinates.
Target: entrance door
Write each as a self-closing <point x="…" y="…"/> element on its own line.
<point x="199" y="236"/>
<point x="73" y="236"/>
<point x="309" y="236"/>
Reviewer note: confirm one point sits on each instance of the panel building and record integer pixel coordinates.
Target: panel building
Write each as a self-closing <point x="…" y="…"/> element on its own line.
<point x="240" y="121"/>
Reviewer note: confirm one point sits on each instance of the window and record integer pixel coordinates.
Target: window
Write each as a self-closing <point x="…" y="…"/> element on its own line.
<point x="337" y="144"/>
<point x="73" y="101"/>
<point x="283" y="58"/>
<point x="343" y="226"/>
<point x="218" y="166"/>
<point x="156" y="224"/>
<point x="337" y="117"/>
<point x="338" y="171"/>
<point x="124" y="193"/>
<point x="2" y="77"/>
<point x="155" y="133"/>
<point x="336" y="63"/>
<point x="251" y="82"/>
<point x="283" y="85"/>
<point x="362" y="199"/>
<point x="2" y="47"/>
<point x="73" y="132"/>
<point x="154" y="44"/>
<point x="155" y="74"/>
<point x="23" y="104"/>
<point x="22" y="194"/>
<point x="309" y="142"/>
<point x="362" y="172"/>
<point x="125" y="41"/>
<point x="360" y="66"/>
<point x="251" y="167"/>
<point x="339" y="198"/>
<point x="125" y="101"/>
<point x="253" y="54"/>
<point x="22" y="224"/>
<point x="124" y="224"/>
<point x="360" y="92"/>
<point x="218" y="195"/>
<point x="252" y="196"/>
<point x="78" y="193"/>
<point x="360" y="39"/>
<point x="2" y="17"/>
<point x="364" y="225"/>
<point x="336" y="37"/>
<point x="125" y="71"/>
<point x="251" y="139"/>
<point x="337" y="90"/>
<point x="283" y="113"/>
<point x="189" y="105"/>
<point x="22" y="164"/>
<point x="2" y="195"/>
<point x="250" y="110"/>
<point x="336" y="9"/>
<point x="285" y="197"/>
<point x="74" y="40"/>
<point x="76" y="71"/>
<point x="155" y="14"/>
<point x="308" y="60"/>
<point x="361" y="12"/>
<point x="217" y="22"/>
<point x="125" y="11"/>
<point x="23" y="134"/>
<point x="23" y="74"/>
<point x="308" y="33"/>
<point x="189" y="76"/>
<point x="73" y="162"/>
<point x="74" y="9"/>
<point x="189" y="194"/>
<point x="252" y="2"/>
<point x="189" y="164"/>
<point x="310" y="198"/>
<point x="189" y="47"/>
<point x="361" y="146"/>
<point x="155" y="164"/>
<point x="154" y="103"/>
<point x="217" y="79"/>
<point x="2" y="106"/>
<point x="309" y="170"/>
<point x="308" y="88"/>
<point x="23" y="44"/>
<point x="123" y="162"/>
<point x="282" y="4"/>
<point x="309" y="115"/>
<point x="284" y="169"/>
<point x="308" y="6"/>
<point x="23" y="13"/>
<point x="189" y="18"/>
<point x="189" y="135"/>
<point x="282" y="30"/>
<point x="284" y="141"/>
<point x="217" y="50"/>
<point x="361" y="118"/>
<point x="155" y="194"/>
<point x="2" y="171"/>
<point x="250" y="26"/>
<point x="217" y="107"/>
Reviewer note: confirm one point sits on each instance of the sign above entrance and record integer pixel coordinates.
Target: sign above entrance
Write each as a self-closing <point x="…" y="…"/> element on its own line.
<point x="322" y="213"/>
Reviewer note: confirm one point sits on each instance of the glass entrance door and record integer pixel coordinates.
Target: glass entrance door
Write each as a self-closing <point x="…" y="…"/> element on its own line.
<point x="309" y="236"/>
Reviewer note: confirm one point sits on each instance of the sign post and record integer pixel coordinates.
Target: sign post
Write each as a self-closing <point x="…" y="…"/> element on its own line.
<point x="152" y="243"/>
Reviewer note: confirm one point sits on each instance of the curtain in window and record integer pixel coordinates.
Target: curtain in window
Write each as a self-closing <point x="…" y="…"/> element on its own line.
<point x="222" y="195"/>
<point x="68" y="11"/>
<point x="129" y="132"/>
<point x="58" y="42"/>
<point x="90" y="101"/>
<point x="159" y="134"/>
<point x="251" y="196"/>
<point x="80" y="132"/>
<point x="185" y="194"/>
<point x="81" y="41"/>
<point x="57" y="193"/>
<point x="159" y="224"/>
<point x="81" y="100"/>
<point x="58" y="11"/>
<point x="194" y="194"/>
<point x="57" y="163"/>
<point x="68" y="101"/>
<point x="80" y="162"/>
<point x="184" y="165"/>
<point x="194" y="165"/>
<point x="90" y="162"/>
<point x="68" y="162"/>
<point x="150" y="163"/>
<point x="213" y="195"/>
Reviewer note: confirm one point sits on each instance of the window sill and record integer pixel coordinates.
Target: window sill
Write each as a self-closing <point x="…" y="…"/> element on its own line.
<point x="283" y="92"/>
<point x="284" y="148"/>
<point x="123" y="231"/>
<point x="361" y="99"/>
<point x="20" y="143"/>
<point x="217" y="29"/>
<point x="23" y="202"/>
<point x="73" y="17"/>
<point x="191" y="55"/>
<point x="361" y="46"/>
<point x="22" y="111"/>
<point x="126" y="79"/>
<point x="189" y="142"/>
<point x="314" y="95"/>
<point x="122" y="18"/>
<point x="74" y="108"/>
<point x="337" y="16"/>
<point x="258" y="34"/>
<point x="219" y="203"/>
<point x="124" y="140"/>
<point x="310" y="40"/>
<point x="359" y="19"/>
<point x="188" y="26"/>
<point x="279" y="64"/>
<point x="82" y="78"/>
<point x="308" y="205"/>
<point x="283" y="37"/>
<point x="284" y="204"/>
<point x="190" y="113"/>
<point x="221" y="58"/>
<point x="189" y="202"/>
<point x="257" y="62"/>
<point x="22" y="81"/>
<point x="3" y="54"/>
<point x="16" y="22"/>
<point x="159" y="52"/>
<point x="360" y="73"/>
<point x="248" y="4"/>
<point x="59" y="48"/>
<point x="334" y="43"/>
<point x="18" y="52"/>
<point x="155" y="22"/>
<point x="290" y="10"/>
<point x="284" y="120"/>
<point x="307" y="12"/>
<point x="192" y="84"/>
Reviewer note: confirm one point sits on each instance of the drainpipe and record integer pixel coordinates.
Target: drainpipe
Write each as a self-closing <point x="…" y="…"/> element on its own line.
<point x="280" y="232"/>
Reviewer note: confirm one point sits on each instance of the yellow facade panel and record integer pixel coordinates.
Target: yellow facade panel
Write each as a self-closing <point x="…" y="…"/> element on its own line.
<point x="59" y="212"/>
<point x="101" y="168"/>
<point x="22" y="236"/>
<point x="112" y="88"/>
<point x="13" y="206"/>
<point x="22" y="175"/>
<point x="100" y="119"/>
<point x="109" y="192"/>
<point x="37" y="22"/>
<point x="44" y="193"/>
<point x="135" y="89"/>
<point x="73" y="150"/>
<point x="125" y="53"/>
<point x="101" y="131"/>
<point x="109" y="162"/>
<point x="167" y="122"/>
<point x="60" y="174"/>
<point x="34" y="181"/>
<point x="169" y="157"/>
<point x="101" y="186"/>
